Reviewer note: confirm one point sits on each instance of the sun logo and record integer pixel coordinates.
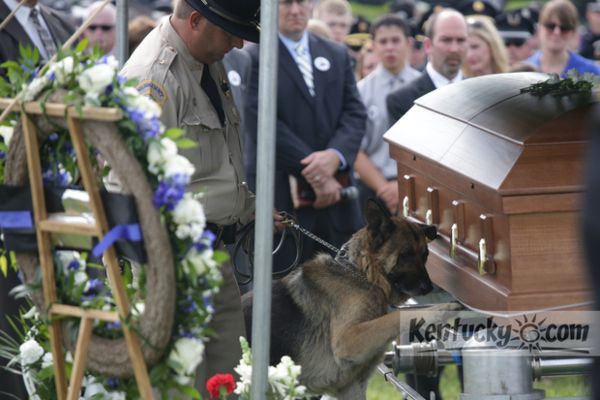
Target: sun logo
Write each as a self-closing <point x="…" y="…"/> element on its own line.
<point x="529" y="334"/>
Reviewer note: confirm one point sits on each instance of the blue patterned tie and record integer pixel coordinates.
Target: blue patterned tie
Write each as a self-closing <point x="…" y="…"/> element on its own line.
<point x="303" y="61"/>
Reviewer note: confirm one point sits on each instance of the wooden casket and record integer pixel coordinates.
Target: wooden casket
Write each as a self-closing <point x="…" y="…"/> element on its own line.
<point x="500" y="174"/>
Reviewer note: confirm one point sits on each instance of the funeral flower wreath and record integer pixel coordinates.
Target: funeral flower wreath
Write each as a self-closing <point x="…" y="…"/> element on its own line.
<point x="91" y="79"/>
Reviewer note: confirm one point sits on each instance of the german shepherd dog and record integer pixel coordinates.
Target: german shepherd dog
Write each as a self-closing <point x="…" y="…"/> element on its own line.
<point x="331" y="315"/>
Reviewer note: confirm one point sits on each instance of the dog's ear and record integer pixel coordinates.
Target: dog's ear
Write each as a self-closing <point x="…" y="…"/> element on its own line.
<point x="379" y="222"/>
<point x="430" y="231"/>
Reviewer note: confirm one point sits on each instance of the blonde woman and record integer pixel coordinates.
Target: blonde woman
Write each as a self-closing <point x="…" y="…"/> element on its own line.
<point x="486" y="52"/>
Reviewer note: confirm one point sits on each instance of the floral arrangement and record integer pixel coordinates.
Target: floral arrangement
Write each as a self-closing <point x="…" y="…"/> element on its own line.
<point x="573" y="83"/>
<point x="283" y="379"/>
<point x="93" y="79"/>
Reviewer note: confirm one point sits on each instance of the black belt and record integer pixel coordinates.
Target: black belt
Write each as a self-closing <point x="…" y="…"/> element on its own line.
<point x="224" y="233"/>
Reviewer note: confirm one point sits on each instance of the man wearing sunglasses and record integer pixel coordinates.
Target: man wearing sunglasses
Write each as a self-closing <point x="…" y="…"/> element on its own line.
<point x="517" y="28"/>
<point x="558" y="28"/>
<point x="102" y="32"/>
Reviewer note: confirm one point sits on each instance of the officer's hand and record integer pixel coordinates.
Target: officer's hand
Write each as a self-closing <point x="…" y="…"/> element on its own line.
<point x="327" y="193"/>
<point x="389" y="194"/>
<point x="278" y="225"/>
<point x="320" y="165"/>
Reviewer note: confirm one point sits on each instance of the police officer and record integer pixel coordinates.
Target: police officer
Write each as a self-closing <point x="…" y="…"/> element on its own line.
<point x="179" y="66"/>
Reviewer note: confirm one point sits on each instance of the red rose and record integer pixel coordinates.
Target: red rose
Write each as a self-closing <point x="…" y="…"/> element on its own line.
<point x="220" y="385"/>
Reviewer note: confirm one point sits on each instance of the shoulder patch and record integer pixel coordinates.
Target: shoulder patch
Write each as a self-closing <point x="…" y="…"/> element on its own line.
<point x="154" y="90"/>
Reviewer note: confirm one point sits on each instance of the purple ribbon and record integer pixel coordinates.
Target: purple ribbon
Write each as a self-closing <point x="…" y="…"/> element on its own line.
<point x="15" y="220"/>
<point x="131" y="232"/>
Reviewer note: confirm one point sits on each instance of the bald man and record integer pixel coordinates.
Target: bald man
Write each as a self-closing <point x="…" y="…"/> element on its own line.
<point x="102" y="31"/>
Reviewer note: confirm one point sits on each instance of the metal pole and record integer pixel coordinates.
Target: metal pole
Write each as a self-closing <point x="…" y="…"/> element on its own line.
<point x="122" y="53"/>
<point x="267" y="110"/>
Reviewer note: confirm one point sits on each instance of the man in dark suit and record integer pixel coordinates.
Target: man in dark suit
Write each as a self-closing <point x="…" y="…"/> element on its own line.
<point x="24" y="29"/>
<point x="34" y="25"/>
<point x="320" y="123"/>
<point x="446" y="46"/>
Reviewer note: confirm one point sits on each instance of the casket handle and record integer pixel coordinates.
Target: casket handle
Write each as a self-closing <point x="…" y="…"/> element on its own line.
<point x="481" y="260"/>
<point x="405" y="206"/>
<point x="453" y="239"/>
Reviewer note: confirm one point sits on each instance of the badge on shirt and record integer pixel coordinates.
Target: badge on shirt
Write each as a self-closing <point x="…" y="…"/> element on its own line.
<point x="322" y="64"/>
<point x="154" y="90"/>
<point x="372" y="112"/>
<point x="234" y="78"/>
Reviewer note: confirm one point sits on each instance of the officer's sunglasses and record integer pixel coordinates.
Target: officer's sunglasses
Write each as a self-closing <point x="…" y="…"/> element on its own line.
<point x="288" y="3"/>
<point x="551" y="26"/>
<point x="103" y="27"/>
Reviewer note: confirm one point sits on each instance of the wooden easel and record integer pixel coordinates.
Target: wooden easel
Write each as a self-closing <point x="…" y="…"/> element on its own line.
<point x="44" y="227"/>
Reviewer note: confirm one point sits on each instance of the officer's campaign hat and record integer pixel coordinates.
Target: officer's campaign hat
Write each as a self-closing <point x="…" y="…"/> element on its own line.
<point x="516" y="27"/>
<point x="238" y="17"/>
<point x="478" y="7"/>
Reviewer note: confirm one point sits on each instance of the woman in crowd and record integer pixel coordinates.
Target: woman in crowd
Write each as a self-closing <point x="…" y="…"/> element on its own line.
<point x="486" y="53"/>
<point x="557" y="27"/>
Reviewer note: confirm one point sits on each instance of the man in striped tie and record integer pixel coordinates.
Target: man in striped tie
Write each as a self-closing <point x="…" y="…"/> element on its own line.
<point x="33" y="25"/>
<point x="320" y="124"/>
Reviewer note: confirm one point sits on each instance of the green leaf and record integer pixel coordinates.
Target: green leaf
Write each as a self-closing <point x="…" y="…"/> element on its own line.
<point x="186" y="143"/>
<point x="173" y="133"/>
<point x="190" y="391"/>
<point x="46" y="373"/>
<point x="3" y="265"/>
<point x="82" y="45"/>
<point x="220" y="256"/>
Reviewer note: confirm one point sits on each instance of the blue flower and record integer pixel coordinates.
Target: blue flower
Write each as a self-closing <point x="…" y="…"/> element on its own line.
<point x="121" y="79"/>
<point x="113" y="326"/>
<point x="188" y="305"/>
<point x="74" y="265"/>
<point x="2" y="155"/>
<point x="147" y="127"/>
<point x="170" y="192"/>
<point x="93" y="287"/>
<point x="208" y="304"/>
<point x="69" y="149"/>
<point x="51" y="76"/>
<point x="112" y="382"/>
<point x="53" y="137"/>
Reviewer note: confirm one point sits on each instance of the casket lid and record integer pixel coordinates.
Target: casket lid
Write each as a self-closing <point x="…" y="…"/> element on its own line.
<point x="487" y="130"/>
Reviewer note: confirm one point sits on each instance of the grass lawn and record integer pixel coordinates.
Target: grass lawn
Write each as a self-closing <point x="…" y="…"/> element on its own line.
<point x="379" y="389"/>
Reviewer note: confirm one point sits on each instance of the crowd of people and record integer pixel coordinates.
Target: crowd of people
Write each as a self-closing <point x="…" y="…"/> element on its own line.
<point x="343" y="82"/>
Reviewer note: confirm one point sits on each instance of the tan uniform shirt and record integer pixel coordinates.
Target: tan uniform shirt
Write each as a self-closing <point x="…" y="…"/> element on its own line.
<point x="168" y="73"/>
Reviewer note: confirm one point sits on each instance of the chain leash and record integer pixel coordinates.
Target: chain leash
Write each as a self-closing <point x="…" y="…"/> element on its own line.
<point x="289" y="221"/>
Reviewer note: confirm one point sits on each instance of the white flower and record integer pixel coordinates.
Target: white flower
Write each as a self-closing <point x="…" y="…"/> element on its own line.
<point x="34" y="88"/>
<point x="32" y="313"/>
<point x="92" y="99"/>
<point x="6" y="132"/>
<point x="138" y="309"/>
<point x="63" y="69"/>
<point x="186" y="355"/>
<point x="80" y="278"/>
<point x="94" y="388"/>
<point x="189" y="210"/>
<point x="30" y="352"/>
<point x="203" y="261"/>
<point x="112" y="62"/>
<point x="178" y="164"/>
<point x="145" y="105"/>
<point x="115" y="396"/>
<point x="47" y="360"/>
<point x="183" y="231"/>
<point x="159" y="152"/>
<point x="96" y="78"/>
